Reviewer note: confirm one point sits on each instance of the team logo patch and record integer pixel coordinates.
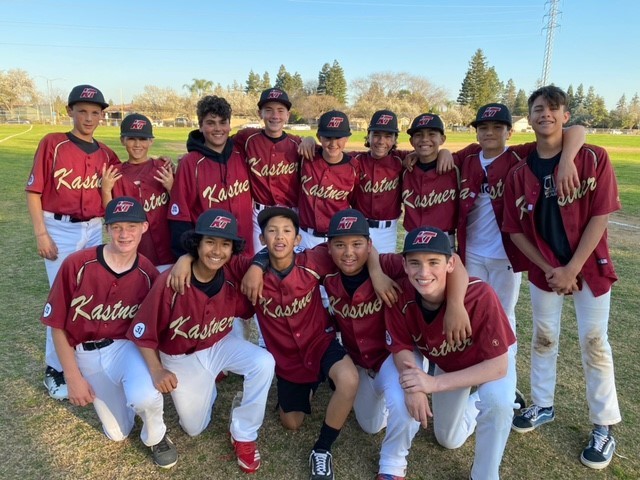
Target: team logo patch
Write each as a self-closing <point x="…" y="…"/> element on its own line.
<point x="346" y="223"/>
<point x="384" y="120"/>
<point x="424" y="237"/>
<point x="335" y="122"/>
<point x="495" y="342"/>
<point x="31" y="179"/>
<point x="220" y="222"/>
<point x="123" y="206"/>
<point x="273" y="94"/>
<point x="47" y="310"/>
<point x="88" y="93"/>
<point x="602" y="261"/>
<point x="387" y="337"/>
<point x="139" y="329"/>
<point x="138" y="124"/>
<point x="490" y="112"/>
<point x="175" y="210"/>
<point x="424" y="120"/>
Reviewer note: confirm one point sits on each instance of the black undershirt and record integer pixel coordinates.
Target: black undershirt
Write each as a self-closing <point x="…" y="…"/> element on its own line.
<point x="86" y="147"/>
<point x="428" y="315"/>
<point x="425" y="167"/>
<point x="352" y="282"/>
<point x="281" y="274"/>
<point x="101" y="261"/>
<point x="212" y="287"/>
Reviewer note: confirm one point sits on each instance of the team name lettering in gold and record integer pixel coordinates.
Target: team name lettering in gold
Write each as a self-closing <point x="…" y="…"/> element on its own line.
<point x="321" y="191"/>
<point x="286" y="310"/>
<point x="213" y="195"/>
<point x="102" y="312"/>
<point x="360" y="310"/>
<point x="200" y="332"/>
<point x="424" y="201"/>
<point x="156" y="201"/>
<point x="76" y="183"/>
<point x="274" y="170"/>
<point x="445" y="349"/>
<point x="384" y="185"/>
<point x="586" y="186"/>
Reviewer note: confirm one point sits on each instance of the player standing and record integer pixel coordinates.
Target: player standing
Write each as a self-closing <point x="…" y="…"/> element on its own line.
<point x="184" y="338"/>
<point x="92" y="303"/>
<point x="149" y="180"/>
<point x="566" y="241"/>
<point x="63" y="198"/>
<point x="414" y="331"/>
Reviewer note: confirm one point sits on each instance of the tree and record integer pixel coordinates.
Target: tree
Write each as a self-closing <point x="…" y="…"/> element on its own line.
<point x="311" y="107"/>
<point x="578" y="98"/>
<point x="254" y="83"/>
<point x="283" y="79"/>
<point x="521" y="106"/>
<point x="620" y="117"/>
<point x="481" y="84"/>
<point x="571" y="96"/>
<point x="199" y="87"/>
<point x="322" y="79"/>
<point x="157" y="102"/>
<point x="16" y="88"/>
<point x="336" y="84"/>
<point x="266" y="81"/>
<point x="509" y="94"/>
<point x="634" y="111"/>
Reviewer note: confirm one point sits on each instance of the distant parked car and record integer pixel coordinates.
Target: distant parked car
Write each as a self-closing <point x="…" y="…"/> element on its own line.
<point x="182" y="122"/>
<point x="297" y="126"/>
<point x="616" y="132"/>
<point x="251" y="125"/>
<point x="19" y="121"/>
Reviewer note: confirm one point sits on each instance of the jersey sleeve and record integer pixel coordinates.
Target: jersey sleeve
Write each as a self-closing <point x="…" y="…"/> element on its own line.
<point x="497" y="335"/>
<point x="41" y="168"/>
<point x="511" y="214"/>
<point x="112" y="157"/>
<point x="183" y="192"/>
<point x="391" y="264"/>
<point x="523" y="150"/>
<point x="318" y="259"/>
<point x="398" y="337"/>
<point x="144" y="331"/>
<point x="605" y="199"/>
<point x="58" y="303"/>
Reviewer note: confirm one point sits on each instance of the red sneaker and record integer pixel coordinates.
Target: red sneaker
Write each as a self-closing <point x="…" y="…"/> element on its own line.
<point x="388" y="476"/>
<point x="247" y="454"/>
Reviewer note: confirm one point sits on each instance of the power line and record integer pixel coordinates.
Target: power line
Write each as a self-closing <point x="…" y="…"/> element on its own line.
<point x="552" y="24"/>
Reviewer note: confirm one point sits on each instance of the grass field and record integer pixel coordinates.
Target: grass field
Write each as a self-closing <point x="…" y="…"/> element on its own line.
<point x="43" y="438"/>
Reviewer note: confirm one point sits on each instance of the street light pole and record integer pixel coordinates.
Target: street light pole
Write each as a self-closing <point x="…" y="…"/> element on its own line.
<point x="49" y="89"/>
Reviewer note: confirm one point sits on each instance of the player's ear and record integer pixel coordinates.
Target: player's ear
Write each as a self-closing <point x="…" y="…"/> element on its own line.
<point x="297" y="241"/>
<point x="145" y="227"/>
<point x="509" y="132"/>
<point x="451" y="263"/>
<point x="122" y="141"/>
<point x="566" y="115"/>
<point x="262" y="240"/>
<point x="404" y="264"/>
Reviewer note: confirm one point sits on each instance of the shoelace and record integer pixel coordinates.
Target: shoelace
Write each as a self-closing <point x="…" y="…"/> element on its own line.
<point x="58" y="378"/>
<point x="163" y="446"/>
<point x="246" y="448"/>
<point x="599" y="440"/>
<point x="532" y="412"/>
<point x="321" y="462"/>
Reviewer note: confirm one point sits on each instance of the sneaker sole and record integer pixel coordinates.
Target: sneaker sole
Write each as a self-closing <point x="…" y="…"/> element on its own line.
<point x="594" y="465"/>
<point x="529" y="429"/>
<point x="166" y="466"/>
<point x="53" y="395"/>
<point x="243" y="466"/>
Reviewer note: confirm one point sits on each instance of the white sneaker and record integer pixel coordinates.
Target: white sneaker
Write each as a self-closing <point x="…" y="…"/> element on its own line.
<point x="55" y="383"/>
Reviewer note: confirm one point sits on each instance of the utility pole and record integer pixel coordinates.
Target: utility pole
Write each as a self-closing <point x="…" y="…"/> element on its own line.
<point x="552" y="24"/>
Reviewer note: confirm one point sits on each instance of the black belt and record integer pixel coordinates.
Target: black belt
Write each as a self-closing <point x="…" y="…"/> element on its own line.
<point x="379" y="223"/>
<point x="90" y="346"/>
<point x="311" y="231"/>
<point x="58" y="216"/>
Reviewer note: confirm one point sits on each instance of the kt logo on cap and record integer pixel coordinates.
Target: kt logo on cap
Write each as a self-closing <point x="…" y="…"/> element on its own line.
<point x="424" y="237"/>
<point x="138" y="124"/>
<point x="346" y="223"/>
<point x="384" y="120"/>
<point x="335" y="122"/>
<point x="220" y="222"/>
<point x="424" y="120"/>
<point x="123" y="206"/>
<point x="88" y="93"/>
<point x="490" y="112"/>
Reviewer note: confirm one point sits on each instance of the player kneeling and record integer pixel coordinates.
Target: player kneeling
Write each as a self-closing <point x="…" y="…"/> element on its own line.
<point x="90" y="307"/>
<point x="186" y="343"/>
<point x="414" y="330"/>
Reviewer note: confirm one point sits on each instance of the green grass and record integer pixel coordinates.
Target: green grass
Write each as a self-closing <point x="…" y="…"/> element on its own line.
<point x="43" y="438"/>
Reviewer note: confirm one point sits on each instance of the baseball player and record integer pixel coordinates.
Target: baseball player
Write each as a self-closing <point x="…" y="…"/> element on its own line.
<point x="148" y="180"/>
<point x="63" y="198"/>
<point x="184" y="338"/>
<point x="92" y="302"/>
<point x="429" y="198"/>
<point x="359" y="316"/>
<point x="414" y="331"/>
<point x="298" y="333"/>
<point x="566" y="243"/>
<point x="212" y="175"/>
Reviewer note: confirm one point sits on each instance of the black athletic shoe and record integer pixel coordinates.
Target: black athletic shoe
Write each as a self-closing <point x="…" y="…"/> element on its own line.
<point x="164" y="453"/>
<point x="321" y="464"/>
<point x="55" y="383"/>
<point x="601" y="447"/>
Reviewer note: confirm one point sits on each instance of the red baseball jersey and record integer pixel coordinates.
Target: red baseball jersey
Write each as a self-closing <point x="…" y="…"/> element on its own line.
<point x="491" y="337"/>
<point x="472" y="179"/>
<point x="325" y="189"/>
<point x="137" y="181"/>
<point x="202" y="183"/>
<point x="379" y="191"/>
<point x="90" y="302"/>
<point x="360" y="318"/>
<point x="597" y="195"/>
<point x="69" y="179"/>
<point x="430" y="199"/>
<point x="295" y="326"/>
<point x="274" y="166"/>
<point x="182" y="324"/>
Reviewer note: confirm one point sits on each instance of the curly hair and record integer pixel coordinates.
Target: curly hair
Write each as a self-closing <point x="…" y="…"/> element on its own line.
<point x="213" y="105"/>
<point x="190" y="241"/>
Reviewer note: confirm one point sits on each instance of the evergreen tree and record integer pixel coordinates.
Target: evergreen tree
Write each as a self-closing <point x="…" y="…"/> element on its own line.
<point x="481" y="84"/>
<point x="266" y="81"/>
<point x="336" y="84"/>
<point x="572" y="99"/>
<point x="634" y="111"/>
<point x="578" y="97"/>
<point x="253" y="83"/>
<point x="509" y="95"/>
<point x="521" y="108"/>
<point x="322" y="79"/>
<point x="283" y="79"/>
<point x="297" y="84"/>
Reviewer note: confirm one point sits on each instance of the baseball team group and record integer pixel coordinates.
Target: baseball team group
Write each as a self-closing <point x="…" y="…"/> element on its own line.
<point x="300" y="238"/>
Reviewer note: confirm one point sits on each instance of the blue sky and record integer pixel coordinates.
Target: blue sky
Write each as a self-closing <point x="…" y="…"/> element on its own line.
<point x="121" y="46"/>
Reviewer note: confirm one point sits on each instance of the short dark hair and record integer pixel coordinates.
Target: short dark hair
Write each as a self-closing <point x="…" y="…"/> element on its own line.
<point x="393" y="147"/>
<point x="211" y="104"/>
<point x="190" y="241"/>
<point x="554" y="96"/>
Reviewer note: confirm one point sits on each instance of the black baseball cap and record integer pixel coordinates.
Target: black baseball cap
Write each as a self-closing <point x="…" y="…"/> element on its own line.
<point x="334" y="124"/>
<point x="426" y="120"/>
<point x="274" y="95"/>
<point x="493" y="112"/>
<point x="136" y="125"/>
<point x="124" y="209"/>
<point x="384" y="121"/>
<point x="86" y="93"/>
<point x="278" y="211"/>
<point x="348" y="222"/>
<point x="218" y="223"/>
<point x="427" y="240"/>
